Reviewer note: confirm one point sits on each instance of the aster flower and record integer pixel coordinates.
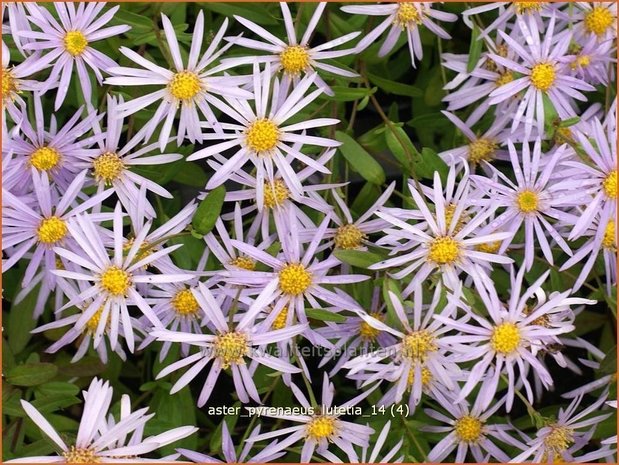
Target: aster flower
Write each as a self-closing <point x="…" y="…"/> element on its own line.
<point x="405" y="17"/>
<point x="595" y="19"/>
<point x="112" y="280"/>
<point x="194" y="88"/>
<point x="321" y="426"/>
<point x="95" y="442"/>
<point x="446" y="244"/>
<point x="15" y="81"/>
<point x="510" y="337"/>
<point x="592" y="62"/>
<point x="560" y="438"/>
<point x="539" y="61"/>
<point x="263" y="136"/>
<point x="537" y="11"/>
<point x="295" y="57"/>
<point x="229" y="453"/>
<point x="69" y="43"/>
<point x="228" y="348"/>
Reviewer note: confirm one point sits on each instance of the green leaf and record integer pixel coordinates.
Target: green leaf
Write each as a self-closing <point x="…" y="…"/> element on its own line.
<point x="359" y="258"/>
<point x="609" y="363"/>
<point x="394" y="87"/>
<point x="31" y="374"/>
<point x="20" y="321"/>
<point x="208" y="211"/>
<point x="402" y="148"/>
<point x="58" y="388"/>
<point x="349" y="94"/>
<point x="360" y="160"/>
<point x="391" y="319"/>
<point x="324" y="315"/>
<point x="474" y="49"/>
<point x="56" y="402"/>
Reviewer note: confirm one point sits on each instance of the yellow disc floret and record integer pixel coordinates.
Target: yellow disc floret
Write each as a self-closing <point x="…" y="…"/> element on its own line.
<point x="468" y="429"/>
<point x="558" y="441"/>
<point x="489" y="247"/>
<point x="45" y="158"/>
<point x="426" y="376"/>
<point x="245" y="263"/>
<point x="482" y="150"/>
<point x="505" y="338"/>
<point x="280" y="319"/>
<point x="184" y="85"/>
<point x="78" y="455"/>
<point x="543" y="76"/>
<point x="348" y="237"/>
<point x="275" y="194"/>
<point x="444" y="250"/>
<point x="10" y="85"/>
<point x="367" y="331"/>
<point x="262" y="136"/>
<point x="75" y="42"/>
<point x="294" y="279"/>
<point x="504" y="78"/>
<point x="184" y="303"/>
<point x="51" y="230"/>
<point x="231" y="348"/>
<point x="294" y="59"/>
<point x="93" y="323"/>
<point x="598" y="20"/>
<point x="527" y="201"/>
<point x="115" y="281"/>
<point x="408" y="15"/>
<point x="610" y="234"/>
<point x="108" y="167"/>
<point x="610" y="184"/>
<point x="320" y="427"/>
<point x="527" y="7"/>
<point x="418" y="345"/>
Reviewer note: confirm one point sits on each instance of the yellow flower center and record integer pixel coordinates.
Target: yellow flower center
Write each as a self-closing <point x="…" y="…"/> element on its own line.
<point x="75" y="455"/>
<point x="280" y="319"/>
<point x="581" y="61"/>
<point x="543" y="76"/>
<point x="294" y="59"/>
<point x="610" y="185"/>
<point x="481" y="150"/>
<point x="244" y="263"/>
<point x="10" y="85"/>
<point x="262" y="136"/>
<point x="93" y="323"/>
<point x="368" y="332"/>
<point x="527" y="201"/>
<point x="184" y="303"/>
<point x="45" y="158"/>
<point x="320" y="427"/>
<point x="504" y="78"/>
<point x="294" y="279"/>
<point x="275" y="194"/>
<point x="609" y="241"/>
<point x="75" y="42"/>
<point x="426" y="376"/>
<point x="407" y="15"/>
<point x="418" y="345"/>
<point x="598" y="20"/>
<point x="505" y="338"/>
<point x="115" y="281"/>
<point x="489" y="247"/>
<point x="527" y="7"/>
<point x="108" y="167"/>
<point x="51" y="230"/>
<point x="468" y="429"/>
<point x="231" y="348"/>
<point x="444" y="250"/>
<point x="557" y="441"/>
<point x="348" y="236"/>
<point x="184" y="85"/>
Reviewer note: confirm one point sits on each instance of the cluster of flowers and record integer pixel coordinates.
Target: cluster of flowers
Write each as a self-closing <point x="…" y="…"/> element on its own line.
<point x="444" y="334"/>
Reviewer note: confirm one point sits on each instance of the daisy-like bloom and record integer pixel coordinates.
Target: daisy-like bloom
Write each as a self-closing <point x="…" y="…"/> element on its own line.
<point x="601" y="175"/>
<point x="263" y="136"/>
<point x="229" y="347"/>
<point x="510" y="337"/>
<point x="469" y="430"/>
<point x="193" y="88"/>
<point x="295" y="57"/>
<point x="593" y="61"/>
<point x="112" y="280"/>
<point x="321" y="426"/>
<point x="69" y="43"/>
<point x="15" y="82"/>
<point x="96" y="442"/>
<point x="229" y="453"/>
<point x="297" y="276"/>
<point x="110" y="164"/>
<point x="446" y="245"/>
<point x="405" y="17"/>
<point x="419" y="359"/>
<point x="532" y="199"/>
<point x="559" y="439"/>
<point x="543" y="75"/>
<point x="537" y="10"/>
<point x="595" y="19"/>
<point x="49" y="149"/>
<point x="43" y="225"/>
